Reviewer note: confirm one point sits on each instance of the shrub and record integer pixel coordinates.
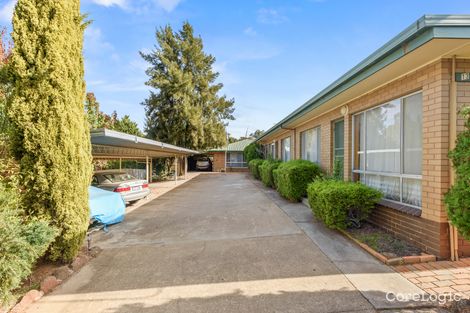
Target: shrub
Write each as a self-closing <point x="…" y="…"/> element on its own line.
<point x="293" y="177"/>
<point x="458" y="197"/>
<point x="266" y="172"/>
<point x="340" y="204"/>
<point x="254" y="167"/>
<point x="252" y="151"/>
<point x="22" y="242"/>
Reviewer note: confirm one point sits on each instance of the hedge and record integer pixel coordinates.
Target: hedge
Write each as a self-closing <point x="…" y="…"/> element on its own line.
<point x="341" y="204"/>
<point x="252" y="151"/>
<point x="254" y="167"/>
<point x="292" y="178"/>
<point x="266" y="172"/>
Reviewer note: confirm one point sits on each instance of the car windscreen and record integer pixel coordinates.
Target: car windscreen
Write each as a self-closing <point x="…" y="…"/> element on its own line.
<point x="118" y="177"/>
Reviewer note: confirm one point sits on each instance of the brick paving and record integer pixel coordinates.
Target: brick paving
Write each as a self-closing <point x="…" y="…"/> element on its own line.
<point x="440" y="277"/>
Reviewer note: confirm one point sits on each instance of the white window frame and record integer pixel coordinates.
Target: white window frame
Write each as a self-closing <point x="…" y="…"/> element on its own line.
<point x="302" y="144"/>
<point x="400" y="175"/>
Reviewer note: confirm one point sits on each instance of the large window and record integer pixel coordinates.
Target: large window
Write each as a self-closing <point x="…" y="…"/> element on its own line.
<point x="235" y="159"/>
<point x="387" y="149"/>
<point x="310" y="144"/>
<point x="285" y="149"/>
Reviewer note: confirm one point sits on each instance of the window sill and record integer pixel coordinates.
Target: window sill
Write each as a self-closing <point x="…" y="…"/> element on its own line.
<point x="401" y="207"/>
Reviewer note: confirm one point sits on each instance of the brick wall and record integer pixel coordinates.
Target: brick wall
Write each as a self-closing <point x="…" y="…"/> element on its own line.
<point x="218" y="161"/>
<point x="430" y="230"/>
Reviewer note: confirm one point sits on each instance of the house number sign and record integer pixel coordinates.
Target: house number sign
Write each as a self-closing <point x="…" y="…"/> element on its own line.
<point x="462" y="77"/>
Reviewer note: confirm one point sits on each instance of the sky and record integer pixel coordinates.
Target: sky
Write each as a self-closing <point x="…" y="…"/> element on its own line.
<point x="272" y="56"/>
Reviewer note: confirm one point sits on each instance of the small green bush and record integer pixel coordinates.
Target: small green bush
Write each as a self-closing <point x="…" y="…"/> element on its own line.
<point x="293" y="177"/>
<point x="458" y="197"/>
<point x="266" y="172"/>
<point x="252" y="151"/>
<point x="340" y="204"/>
<point x="254" y="167"/>
<point x="22" y="242"/>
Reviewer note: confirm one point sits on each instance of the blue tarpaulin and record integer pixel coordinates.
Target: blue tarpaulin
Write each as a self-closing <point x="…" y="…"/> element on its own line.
<point x="106" y="207"/>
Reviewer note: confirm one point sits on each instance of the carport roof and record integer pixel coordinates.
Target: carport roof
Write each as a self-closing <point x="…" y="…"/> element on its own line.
<point x="108" y="143"/>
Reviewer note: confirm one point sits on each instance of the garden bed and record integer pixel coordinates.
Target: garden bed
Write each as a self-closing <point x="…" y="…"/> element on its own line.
<point x="386" y="247"/>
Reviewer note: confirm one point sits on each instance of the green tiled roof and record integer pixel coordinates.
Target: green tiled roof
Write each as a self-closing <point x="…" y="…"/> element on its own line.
<point x="234" y="146"/>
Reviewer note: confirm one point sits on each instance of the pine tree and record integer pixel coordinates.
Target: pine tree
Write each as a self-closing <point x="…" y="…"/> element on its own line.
<point x="51" y="135"/>
<point x="185" y="108"/>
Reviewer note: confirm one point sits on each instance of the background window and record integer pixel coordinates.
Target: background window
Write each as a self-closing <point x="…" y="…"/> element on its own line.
<point x="285" y="149"/>
<point x="310" y="145"/>
<point x="387" y="149"/>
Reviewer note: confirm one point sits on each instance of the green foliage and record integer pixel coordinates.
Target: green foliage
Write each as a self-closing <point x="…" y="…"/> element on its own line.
<point x="50" y="133"/>
<point x="458" y="197"/>
<point x="294" y="176"/>
<point x="22" y="241"/>
<point x="254" y="165"/>
<point x="266" y="172"/>
<point x="338" y="169"/>
<point x="252" y="151"/>
<point x="185" y="107"/>
<point x="340" y="204"/>
<point x="99" y="119"/>
<point x="5" y="82"/>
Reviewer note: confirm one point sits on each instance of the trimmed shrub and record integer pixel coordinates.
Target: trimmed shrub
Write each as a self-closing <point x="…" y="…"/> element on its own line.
<point x="254" y="167"/>
<point x="266" y="172"/>
<point x="293" y="177"/>
<point x="341" y="204"/>
<point x="458" y="197"/>
<point x="22" y="242"/>
<point x="252" y="151"/>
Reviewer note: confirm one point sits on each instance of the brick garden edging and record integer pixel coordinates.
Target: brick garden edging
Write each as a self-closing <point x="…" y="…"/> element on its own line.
<point x="413" y="259"/>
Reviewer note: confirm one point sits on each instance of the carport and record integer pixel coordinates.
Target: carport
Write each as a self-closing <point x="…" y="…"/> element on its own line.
<point x="113" y="145"/>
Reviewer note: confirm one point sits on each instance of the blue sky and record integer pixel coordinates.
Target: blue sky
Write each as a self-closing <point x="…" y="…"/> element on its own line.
<point x="272" y="55"/>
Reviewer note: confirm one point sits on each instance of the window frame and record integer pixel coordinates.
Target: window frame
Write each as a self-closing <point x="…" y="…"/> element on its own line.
<point x="302" y="144"/>
<point x="401" y="175"/>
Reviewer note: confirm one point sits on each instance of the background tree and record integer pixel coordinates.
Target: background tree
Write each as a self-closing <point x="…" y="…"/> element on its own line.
<point x="99" y="119"/>
<point x="185" y="108"/>
<point x="51" y="139"/>
<point x="5" y="84"/>
<point x="257" y="133"/>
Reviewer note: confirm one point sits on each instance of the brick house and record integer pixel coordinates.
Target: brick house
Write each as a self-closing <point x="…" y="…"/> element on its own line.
<point x="390" y="122"/>
<point x="230" y="158"/>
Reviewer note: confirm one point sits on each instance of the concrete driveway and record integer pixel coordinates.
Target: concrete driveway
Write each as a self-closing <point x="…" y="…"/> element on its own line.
<point x="222" y="243"/>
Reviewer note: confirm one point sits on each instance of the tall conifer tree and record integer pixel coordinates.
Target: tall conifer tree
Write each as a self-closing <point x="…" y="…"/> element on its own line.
<point x="185" y="108"/>
<point x="51" y="136"/>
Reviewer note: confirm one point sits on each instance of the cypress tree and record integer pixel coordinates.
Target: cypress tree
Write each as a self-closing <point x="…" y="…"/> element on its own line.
<point x="51" y="138"/>
<point x="185" y="108"/>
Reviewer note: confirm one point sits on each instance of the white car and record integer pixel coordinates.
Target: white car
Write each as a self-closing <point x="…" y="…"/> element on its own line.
<point x="203" y="164"/>
<point x="130" y="188"/>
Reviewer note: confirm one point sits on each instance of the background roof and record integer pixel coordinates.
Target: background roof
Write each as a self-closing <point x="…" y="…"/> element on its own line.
<point x="235" y="146"/>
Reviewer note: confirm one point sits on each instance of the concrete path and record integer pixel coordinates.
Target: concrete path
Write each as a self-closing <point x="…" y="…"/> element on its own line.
<point x="220" y="243"/>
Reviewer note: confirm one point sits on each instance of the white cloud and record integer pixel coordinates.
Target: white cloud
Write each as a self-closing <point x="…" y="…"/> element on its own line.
<point x="270" y="16"/>
<point x="139" y="5"/>
<point x="168" y="5"/>
<point x="95" y="42"/>
<point x="249" y="31"/>
<point x="6" y="11"/>
<point x="108" y="3"/>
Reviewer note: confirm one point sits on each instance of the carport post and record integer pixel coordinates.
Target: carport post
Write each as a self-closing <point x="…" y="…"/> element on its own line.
<point x="120" y="163"/>
<point x="147" y="167"/>
<point x="185" y="166"/>
<point x="176" y="169"/>
<point x="151" y="170"/>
